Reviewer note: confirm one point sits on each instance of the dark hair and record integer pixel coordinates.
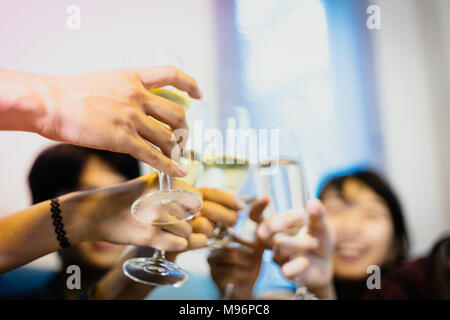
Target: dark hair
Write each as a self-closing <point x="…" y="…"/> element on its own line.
<point x="57" y="169"/>
<point x="380" y="186"/>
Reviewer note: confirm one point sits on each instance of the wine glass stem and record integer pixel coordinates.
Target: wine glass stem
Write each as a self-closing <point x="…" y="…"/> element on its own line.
<point x="162" y="177"/>
<point x="159" y="255"/>
<point x="302" y="292"/>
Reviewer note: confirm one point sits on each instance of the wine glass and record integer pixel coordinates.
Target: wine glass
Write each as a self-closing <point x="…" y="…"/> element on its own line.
<point x="196" y="113"/>
<point x="283" y="179"/>
<point x="226" y="165"/>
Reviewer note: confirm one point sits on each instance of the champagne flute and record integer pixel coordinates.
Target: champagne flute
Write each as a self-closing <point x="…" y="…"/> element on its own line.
<point x="226" y="166"/>
<point x="283" y="179"/>
<point x="195" y="110"/>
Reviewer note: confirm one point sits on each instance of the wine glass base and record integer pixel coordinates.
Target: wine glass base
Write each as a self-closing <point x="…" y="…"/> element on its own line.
<point x="302" y="293"/>
<point x="154" y="272"/>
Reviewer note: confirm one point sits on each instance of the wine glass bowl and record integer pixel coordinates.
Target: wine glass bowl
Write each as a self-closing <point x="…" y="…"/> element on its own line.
<point x="161" y="208"/>
<point x="166" y="207"/>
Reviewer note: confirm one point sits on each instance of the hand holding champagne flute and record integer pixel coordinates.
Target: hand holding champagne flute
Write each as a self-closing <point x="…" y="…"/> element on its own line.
<point x="283" y="178"/>
<point x="166" y="207"/>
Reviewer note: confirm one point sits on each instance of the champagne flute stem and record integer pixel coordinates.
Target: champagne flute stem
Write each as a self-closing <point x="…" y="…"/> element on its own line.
<point x="159" y="255"/>
<point x="161" y="180"/>
<point x="162" y="177"/>
<point x="169" y="187"/>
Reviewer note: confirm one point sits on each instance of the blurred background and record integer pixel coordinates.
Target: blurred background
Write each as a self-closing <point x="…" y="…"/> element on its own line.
<point x="353" y="96"/>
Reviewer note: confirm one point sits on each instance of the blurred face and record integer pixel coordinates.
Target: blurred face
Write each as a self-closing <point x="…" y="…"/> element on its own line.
<point x="98" y="174"/>
<point x="363" y="229"/>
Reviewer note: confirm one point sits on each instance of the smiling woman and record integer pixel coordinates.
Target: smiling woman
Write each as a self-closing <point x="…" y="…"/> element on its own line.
<point x="369" y="229"/>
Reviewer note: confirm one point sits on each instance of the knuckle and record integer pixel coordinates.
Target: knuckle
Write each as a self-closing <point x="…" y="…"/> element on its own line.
<point x="132" y="115"/>
<point x="171" y="141"/>
<point x="148" y="239"/>
<point x="181" y="244"/>
<point x="130" y="92"/>
<point x="172" y="73"/>
<point x="206" y="206"/>
<point x="125" y="131"/>
<point x="286" y="272"/>
<point x="179" y="116"/>
<point x="233" y="216"/>
<point x="202" y="240"/>
<point x="188" y="230"/>
<point x="125" y="125"/>
<point x="270" y="228"/>
<point x="144" y="153"/>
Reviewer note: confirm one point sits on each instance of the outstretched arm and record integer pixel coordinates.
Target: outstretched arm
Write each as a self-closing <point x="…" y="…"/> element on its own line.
<point x="99" y="214"/>
<point x="103" y="110"/>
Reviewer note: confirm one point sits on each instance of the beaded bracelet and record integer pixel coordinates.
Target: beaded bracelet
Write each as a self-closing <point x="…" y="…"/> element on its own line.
<point x="57" y="222"/>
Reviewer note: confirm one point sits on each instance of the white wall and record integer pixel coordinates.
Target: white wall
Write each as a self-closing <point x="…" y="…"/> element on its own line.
<point x="413" y="68"/>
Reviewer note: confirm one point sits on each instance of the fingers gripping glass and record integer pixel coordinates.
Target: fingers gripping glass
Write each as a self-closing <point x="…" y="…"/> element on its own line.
<point x="166" y="206"/>
<point x="161" y="208"/>
<point x="284" y="180"/>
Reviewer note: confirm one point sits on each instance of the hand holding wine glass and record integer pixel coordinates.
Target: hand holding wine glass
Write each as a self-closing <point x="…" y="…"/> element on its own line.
<point x="234" y="270"/>
<point x="307" y="257"/>
<point x="283" y="178"/>
<point x="104" y="110"/>
<point x="108" y="213"/>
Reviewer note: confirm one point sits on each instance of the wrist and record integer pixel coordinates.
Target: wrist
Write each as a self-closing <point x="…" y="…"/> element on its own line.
<point x="243" y="293"/>
<point x="77" y="226"/>
<point x="47" y="121"/>
<point x="22" y="103"/>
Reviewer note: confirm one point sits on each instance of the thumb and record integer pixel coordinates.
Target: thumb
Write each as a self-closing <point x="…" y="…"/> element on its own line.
<point x="136" y="187"/>
<point x="317" y="215"/>
<point x="257" y="209"/>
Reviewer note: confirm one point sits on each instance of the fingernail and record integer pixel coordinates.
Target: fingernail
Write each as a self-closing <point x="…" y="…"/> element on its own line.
<point x="241" y="204"/>
<point x="182" y="170"/>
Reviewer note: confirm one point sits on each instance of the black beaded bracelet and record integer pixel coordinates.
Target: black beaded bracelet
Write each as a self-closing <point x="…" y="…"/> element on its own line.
<point x="57" y="222"/>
